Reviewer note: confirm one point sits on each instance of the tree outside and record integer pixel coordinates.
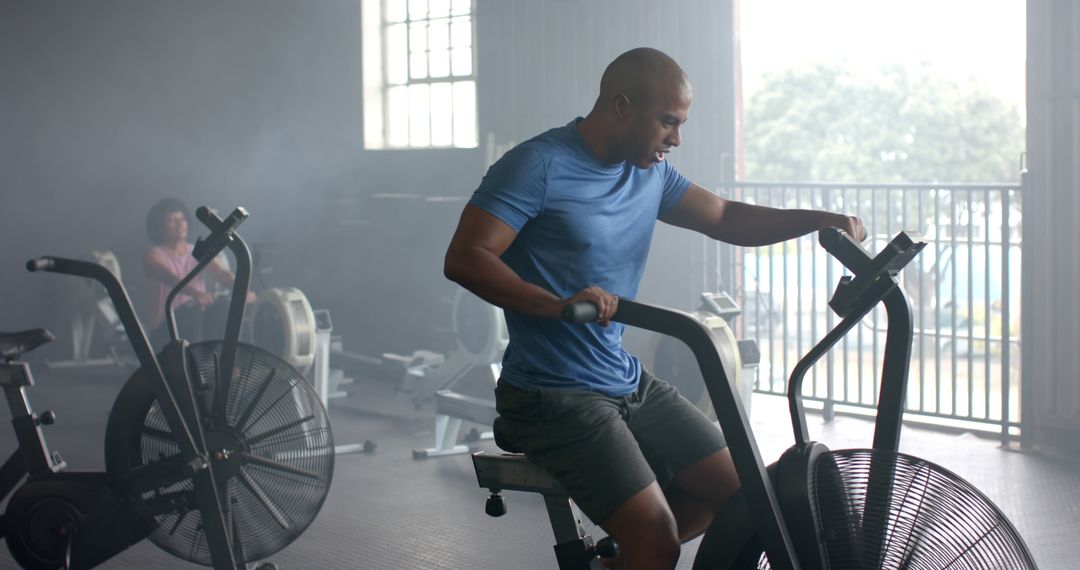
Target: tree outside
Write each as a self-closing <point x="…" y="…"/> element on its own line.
<point x="823" y="122"/>
<point x="829" y="124"/>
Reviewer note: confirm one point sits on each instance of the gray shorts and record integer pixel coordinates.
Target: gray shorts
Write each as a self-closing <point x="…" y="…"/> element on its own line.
<point x="604" y="450"/>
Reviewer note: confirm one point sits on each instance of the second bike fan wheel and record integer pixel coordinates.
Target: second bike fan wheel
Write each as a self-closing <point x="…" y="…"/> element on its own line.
<point x="878" y="509"/>
<point x="274" y="433"/>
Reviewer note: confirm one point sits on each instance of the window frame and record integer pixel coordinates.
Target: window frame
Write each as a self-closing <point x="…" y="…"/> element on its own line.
<point x="381" y="127"/>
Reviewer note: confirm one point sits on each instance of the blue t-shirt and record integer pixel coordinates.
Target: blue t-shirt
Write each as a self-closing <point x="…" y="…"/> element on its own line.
<point x="579" y="222"/>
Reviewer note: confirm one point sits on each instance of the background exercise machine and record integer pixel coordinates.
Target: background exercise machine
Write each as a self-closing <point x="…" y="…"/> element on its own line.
<point x="97" y="336"/>
<point x="284" y="323"/>
<point x="480" y="333"/>
<point x="671" y="360"/>
<point x="218" y="452"/>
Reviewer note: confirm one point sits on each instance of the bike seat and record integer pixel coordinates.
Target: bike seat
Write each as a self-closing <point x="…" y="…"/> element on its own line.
<point x="16" y="343"/>
<point x="502" y="439"/>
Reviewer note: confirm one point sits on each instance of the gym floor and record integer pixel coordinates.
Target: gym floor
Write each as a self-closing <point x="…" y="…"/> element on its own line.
<point x="387" y="511"/>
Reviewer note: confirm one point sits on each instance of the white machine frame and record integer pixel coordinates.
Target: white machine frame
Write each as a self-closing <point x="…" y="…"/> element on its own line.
<point x="453" y="409"/>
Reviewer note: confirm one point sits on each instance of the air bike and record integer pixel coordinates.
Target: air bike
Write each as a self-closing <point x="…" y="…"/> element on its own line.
<point x="219" y="452"/>
<point x="854" y="509"/>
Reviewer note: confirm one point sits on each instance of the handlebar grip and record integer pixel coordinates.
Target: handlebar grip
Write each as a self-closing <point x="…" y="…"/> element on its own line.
<point x="40" y="264"/>
<point x="207" y="216"/>
<point x="828" y="237"/>
<point x="579" y="312"/>
<point x="844" y="248"/>
<point x="221" y="231"/>
<point x="210" y="218"/>
<point x="832" y="239"/>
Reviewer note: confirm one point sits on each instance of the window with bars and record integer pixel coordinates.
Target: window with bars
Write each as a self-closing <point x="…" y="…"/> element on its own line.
<point x="419" y="74"/>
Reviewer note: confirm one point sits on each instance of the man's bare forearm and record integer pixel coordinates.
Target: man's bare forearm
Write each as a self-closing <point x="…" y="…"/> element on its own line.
<point x="752" y="225"/>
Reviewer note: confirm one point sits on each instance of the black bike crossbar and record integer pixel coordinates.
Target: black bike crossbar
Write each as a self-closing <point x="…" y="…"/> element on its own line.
<point x="221" y="231"/>
<point x="205" y="250"/>
<point x="241" y="282"/>
<point x="729" y="410"/>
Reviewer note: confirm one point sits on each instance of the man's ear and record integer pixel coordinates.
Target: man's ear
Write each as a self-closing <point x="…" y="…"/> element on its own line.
<point x="621" y="103"/>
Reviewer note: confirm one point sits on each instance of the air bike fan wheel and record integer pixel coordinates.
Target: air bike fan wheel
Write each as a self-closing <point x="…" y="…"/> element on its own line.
<point x="277" y="444"/>
<point x="877" y="509"/>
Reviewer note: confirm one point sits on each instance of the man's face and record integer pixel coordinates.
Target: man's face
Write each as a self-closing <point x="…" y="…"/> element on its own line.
<point x="654" y="128"/>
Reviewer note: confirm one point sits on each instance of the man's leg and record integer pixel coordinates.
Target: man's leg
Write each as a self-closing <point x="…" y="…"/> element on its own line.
<point x="698" y="491"/>
<point x="582" y="439"/>
<point x="692" y="499"/>
<point x="646" y="530"/>
<point x="687" y="452"/>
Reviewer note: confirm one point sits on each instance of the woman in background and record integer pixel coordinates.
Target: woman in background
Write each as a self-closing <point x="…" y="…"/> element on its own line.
<point x="167" y="261"/>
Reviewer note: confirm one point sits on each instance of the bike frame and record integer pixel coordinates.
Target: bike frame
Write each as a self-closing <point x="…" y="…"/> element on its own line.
<point x="170" y="382"/>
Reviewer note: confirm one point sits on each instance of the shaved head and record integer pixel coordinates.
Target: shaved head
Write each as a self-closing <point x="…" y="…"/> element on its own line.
<point x="642" y="75"/>
<point x="644" y="101"/>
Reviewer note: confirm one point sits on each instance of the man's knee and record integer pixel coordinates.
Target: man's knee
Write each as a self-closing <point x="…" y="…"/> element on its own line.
<point x="645" y="528"/>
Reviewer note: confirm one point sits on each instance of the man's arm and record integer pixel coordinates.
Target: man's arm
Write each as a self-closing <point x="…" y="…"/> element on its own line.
<point x="743" y="224"/>
<point x="473" y="260"/>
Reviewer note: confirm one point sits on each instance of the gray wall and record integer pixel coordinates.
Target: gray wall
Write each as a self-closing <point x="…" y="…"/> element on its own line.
<point x="1051" y="317"/>
<point x="108" y="105"/>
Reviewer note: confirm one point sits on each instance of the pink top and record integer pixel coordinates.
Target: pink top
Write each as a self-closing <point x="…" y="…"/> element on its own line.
<point x="179" y="266"/>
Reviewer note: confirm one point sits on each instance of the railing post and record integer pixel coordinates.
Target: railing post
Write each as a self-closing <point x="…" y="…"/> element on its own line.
<point x="1027" y="399"/>
<point x="828" y="411"/>
<point x="1006" y="339"/>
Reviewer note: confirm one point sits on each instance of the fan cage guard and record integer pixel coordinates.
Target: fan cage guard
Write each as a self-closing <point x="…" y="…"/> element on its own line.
<point x="288" y="464"/>
<point x="915" y="514"/>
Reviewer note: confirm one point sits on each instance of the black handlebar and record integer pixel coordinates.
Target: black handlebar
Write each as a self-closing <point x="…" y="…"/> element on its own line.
<point x="843" y="247"/>
<point x="221" y="231"/>
<point x="579" y="312"/>
<point x="729" y="410"/>
<point x="40" y="264"/>
<point x="222" y="235"/>
<point x="868" y="270"/>
<point x="75" y="267"/>
<point x="849" y="292"/>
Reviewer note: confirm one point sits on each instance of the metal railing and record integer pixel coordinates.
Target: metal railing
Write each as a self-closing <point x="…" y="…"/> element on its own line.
<point x="964" y="288"/>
